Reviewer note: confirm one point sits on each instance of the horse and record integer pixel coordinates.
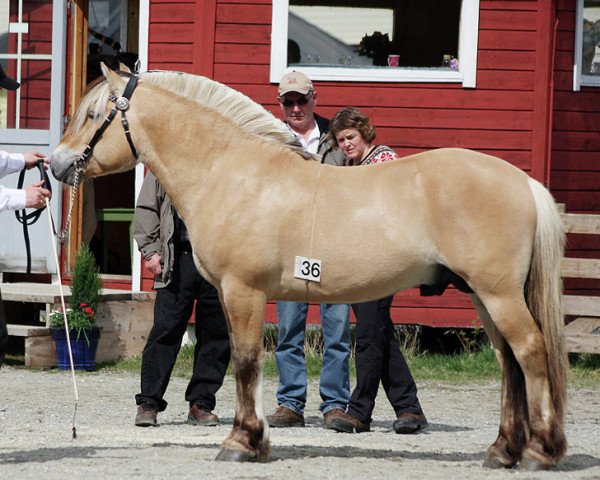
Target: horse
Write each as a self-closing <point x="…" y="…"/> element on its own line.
<point x="267" y="222"/>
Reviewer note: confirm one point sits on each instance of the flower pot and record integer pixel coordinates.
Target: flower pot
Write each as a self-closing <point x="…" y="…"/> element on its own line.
<point x="84" y="348"/>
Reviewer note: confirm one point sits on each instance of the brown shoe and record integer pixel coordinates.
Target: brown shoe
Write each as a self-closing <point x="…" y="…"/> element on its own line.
<point x="331" y="415"/>
<point x="347" y="423"/>
<point x="202" y="417"/>
<point x="146" y="415"/>
<point x="409" y="423"/>
<point x="285" y="417"/>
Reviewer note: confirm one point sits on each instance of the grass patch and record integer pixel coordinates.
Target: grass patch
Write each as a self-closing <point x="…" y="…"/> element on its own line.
<point x="472" y="365"/>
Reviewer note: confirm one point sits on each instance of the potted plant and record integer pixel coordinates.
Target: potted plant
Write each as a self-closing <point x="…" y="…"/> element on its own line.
<point x="86" y="294"/>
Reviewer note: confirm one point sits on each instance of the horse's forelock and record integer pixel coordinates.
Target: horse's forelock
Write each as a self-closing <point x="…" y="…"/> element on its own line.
<point x="95" y="101"/>
<point x="249" y="115"/>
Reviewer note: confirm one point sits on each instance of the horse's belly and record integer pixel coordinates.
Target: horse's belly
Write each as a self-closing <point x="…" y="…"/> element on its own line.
<point x="356" y="285"/>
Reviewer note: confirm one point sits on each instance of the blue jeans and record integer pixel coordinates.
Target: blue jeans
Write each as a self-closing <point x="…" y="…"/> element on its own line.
<point x="334" y="384"/>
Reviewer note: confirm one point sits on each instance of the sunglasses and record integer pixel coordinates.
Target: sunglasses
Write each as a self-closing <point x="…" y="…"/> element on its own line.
<point x="300" y="101"/>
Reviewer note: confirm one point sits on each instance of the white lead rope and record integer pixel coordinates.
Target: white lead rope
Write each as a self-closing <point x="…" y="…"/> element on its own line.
<point x="64" y="310"/>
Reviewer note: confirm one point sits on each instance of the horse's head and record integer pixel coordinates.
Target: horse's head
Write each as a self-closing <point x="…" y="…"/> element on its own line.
<point x="93" y="142"/>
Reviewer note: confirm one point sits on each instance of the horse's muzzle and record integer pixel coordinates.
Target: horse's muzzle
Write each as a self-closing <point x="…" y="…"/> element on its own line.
<point x="63" y="167"/>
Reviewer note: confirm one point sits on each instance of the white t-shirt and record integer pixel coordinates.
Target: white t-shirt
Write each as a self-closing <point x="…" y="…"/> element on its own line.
<point x="11" y="198"/>
<point x="312" y="144"/>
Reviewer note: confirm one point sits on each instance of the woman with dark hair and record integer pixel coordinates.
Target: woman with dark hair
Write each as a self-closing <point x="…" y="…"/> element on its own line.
<point x="378" y="355"/>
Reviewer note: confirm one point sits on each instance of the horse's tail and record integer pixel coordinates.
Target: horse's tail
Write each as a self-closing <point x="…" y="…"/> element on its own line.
<point x="544" y="295"/>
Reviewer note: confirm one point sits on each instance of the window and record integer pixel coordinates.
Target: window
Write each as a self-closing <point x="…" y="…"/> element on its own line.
<point x="587" y="44"/>
<point x="26" y="55"/>
<point x="394" y="41"/>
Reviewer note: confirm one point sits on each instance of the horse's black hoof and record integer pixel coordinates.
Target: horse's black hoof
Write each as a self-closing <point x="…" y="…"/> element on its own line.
<point x="229" y="455"/>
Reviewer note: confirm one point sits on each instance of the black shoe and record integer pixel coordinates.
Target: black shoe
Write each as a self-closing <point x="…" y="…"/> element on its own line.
<point x="409" y="423"/>
<point x="146" y="415"/>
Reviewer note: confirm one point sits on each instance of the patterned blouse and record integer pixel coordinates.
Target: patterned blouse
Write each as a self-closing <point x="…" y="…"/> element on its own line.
<point x="378" y="154"/>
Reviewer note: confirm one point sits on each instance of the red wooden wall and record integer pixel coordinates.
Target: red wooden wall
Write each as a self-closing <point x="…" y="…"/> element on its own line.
<point x="508" y="115"/>
<point x="575" y="178"/>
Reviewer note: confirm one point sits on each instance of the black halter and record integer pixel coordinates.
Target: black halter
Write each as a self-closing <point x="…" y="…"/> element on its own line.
<point x="122" y="105"/>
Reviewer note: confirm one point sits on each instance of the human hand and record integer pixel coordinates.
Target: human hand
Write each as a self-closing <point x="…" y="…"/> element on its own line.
<point x="154" y="265"/>
<point x="36" y="194"/>
<point x="32" y="157"/>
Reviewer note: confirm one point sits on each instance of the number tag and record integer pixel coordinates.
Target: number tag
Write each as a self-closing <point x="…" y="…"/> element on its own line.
<point x="308" y="269"/>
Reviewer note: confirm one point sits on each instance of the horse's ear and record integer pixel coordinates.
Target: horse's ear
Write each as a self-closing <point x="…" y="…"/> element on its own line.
<point x="124" y="68"/>
<point x="115" y="82"/>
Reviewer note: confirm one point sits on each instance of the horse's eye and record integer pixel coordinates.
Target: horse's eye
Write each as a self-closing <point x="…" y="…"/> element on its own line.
<point x="92" y="115"/>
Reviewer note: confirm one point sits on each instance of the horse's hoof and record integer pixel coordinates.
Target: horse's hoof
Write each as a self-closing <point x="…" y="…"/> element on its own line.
<point x="230" y="455"/>
<point x="495" y="463"/>
<point x="531" y="465"/>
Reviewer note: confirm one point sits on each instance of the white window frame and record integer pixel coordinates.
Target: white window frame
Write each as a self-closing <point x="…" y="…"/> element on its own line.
<point x="580" y="80"/>
<point x="467" y="55"/>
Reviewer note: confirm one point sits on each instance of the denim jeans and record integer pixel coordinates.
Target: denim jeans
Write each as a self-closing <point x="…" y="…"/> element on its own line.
<point x="334" y="384"/>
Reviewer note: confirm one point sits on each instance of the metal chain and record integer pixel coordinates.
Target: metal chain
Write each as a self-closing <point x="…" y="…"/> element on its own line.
<point x="62" y="236"/>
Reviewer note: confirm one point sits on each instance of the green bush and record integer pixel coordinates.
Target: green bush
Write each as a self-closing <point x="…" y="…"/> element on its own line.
<point x="86" y="294"/>
<point x="86" y="284"/>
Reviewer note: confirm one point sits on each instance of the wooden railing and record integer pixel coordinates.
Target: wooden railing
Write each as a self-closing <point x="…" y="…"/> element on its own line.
<point x="583" y="333"/>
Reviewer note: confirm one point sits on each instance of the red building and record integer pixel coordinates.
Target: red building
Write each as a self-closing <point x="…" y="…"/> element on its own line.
<point x="526" y="86"/>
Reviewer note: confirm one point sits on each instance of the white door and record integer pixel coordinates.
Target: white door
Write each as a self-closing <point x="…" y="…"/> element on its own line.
<point x="32" y="46"/>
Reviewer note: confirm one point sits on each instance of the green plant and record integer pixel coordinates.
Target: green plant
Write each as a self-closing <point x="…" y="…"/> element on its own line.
<point x="86" y="284"/>
<point x="86" y="293"/>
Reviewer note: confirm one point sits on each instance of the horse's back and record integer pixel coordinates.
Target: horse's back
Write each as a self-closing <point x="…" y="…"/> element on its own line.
<point x="468" y="211"/>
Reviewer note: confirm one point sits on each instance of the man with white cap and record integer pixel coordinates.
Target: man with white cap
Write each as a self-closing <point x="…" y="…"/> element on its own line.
<point x="297" y="98"/>
<point x="33" y="196"/>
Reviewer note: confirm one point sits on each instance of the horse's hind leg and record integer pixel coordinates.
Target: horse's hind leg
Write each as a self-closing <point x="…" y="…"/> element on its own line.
<point x="506" y="451"/>
<point x="248" y="440"/>
<point x="546" y="441"/>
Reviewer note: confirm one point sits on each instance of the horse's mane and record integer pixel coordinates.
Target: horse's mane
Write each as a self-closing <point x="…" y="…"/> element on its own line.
<point x="249" y="115"/>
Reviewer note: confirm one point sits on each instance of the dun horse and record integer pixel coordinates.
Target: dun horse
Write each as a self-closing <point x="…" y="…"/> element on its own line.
<point x="258" y="214"/>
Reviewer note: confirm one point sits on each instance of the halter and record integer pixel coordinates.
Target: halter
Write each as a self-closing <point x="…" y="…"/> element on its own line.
<point x="122" y="105"/>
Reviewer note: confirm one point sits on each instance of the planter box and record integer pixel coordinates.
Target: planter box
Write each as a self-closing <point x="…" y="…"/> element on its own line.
<point x="125" y="317"/>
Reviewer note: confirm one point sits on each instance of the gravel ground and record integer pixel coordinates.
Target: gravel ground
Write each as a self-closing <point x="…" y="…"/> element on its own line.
<point x="36" y="413"/>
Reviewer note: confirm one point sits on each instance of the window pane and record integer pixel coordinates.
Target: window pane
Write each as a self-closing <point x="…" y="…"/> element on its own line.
<point x="25" y="55"/>
<point x="590" y="58"/>
<point x="352" y="34"/>
<point x="33" y="29"/>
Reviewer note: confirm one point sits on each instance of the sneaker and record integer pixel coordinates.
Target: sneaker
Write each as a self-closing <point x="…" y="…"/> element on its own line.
<point x="202" y="417"/>
<point x="409" y="423"/>
<point x="285" y="417"/>
<point x="347" y="423"/>
<point x="331" y="415"/>
<point x="146" y="415"/>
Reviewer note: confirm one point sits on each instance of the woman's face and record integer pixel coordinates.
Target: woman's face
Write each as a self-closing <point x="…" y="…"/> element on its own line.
<point x="352" y="144"/>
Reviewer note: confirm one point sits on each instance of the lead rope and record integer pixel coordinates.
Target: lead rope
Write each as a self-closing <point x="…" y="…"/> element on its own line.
<point x="64" y="310"/>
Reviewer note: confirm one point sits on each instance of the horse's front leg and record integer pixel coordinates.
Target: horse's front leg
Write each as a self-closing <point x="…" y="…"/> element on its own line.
<point x="249" y="439"/>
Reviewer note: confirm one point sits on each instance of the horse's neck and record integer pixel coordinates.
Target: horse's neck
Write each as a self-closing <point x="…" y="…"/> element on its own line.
<point x="192" y="152"/>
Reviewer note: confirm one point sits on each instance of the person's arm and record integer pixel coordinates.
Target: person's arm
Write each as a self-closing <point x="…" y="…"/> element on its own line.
<point x="383" y="154"/>
<point x="34" y="196"/>
<point x="11" y="162"/>
<point x="12" y="199"/>
<point x="146" y="221"/>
